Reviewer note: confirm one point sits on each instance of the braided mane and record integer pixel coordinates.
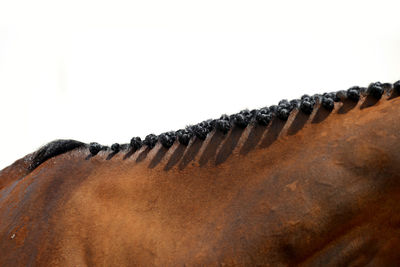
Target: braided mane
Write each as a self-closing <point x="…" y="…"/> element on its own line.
<point x="224" y="124"/>
<point x="262" y="116"/>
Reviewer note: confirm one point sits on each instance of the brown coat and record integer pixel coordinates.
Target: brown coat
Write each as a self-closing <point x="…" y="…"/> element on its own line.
<point x="318" y="190"/>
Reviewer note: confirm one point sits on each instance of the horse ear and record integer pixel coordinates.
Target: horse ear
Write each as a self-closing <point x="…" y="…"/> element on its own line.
<point x="53" y="149"/>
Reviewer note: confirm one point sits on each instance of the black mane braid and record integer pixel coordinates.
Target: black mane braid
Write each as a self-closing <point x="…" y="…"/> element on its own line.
<point x="225" y="123"/>
<point x="262" y="116"/>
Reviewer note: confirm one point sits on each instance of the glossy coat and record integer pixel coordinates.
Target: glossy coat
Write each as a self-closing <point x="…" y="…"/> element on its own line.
<point x="317" y="190"/>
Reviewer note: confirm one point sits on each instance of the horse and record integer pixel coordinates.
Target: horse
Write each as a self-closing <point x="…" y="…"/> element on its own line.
<point x="309" y="182"/>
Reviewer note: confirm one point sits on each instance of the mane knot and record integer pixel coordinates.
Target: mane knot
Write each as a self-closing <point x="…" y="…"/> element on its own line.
<point x="354" y="93"/>
<point x="184" y="136"/>
<point x="242" y="119"/>
<point x="167" y="139"/>
<point x="263" y="116"/>
<point x="376" y="90"/>
<point x="136" y="143"/>
<point x="328" y="103"/>
<point x="223" y="124"/>
<point x="201" y="130"/>
<point x="94" y="148"/>
<point x="150" y="140"/>
<point x="115" y="147"/>
<point x="307" y="104"/>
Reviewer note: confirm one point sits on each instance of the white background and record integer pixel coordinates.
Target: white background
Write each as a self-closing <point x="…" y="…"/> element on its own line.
<point x="109" y="70"/>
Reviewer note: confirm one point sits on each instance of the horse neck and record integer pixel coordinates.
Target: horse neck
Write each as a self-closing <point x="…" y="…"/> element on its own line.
<point x="284" y="193"/>
<point x="350" y="135"/>
<point x="309" y="179"/>
<point x="355" y="151"/>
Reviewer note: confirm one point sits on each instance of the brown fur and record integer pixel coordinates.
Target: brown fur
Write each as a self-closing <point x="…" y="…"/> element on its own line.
<point x="312" y="191"/>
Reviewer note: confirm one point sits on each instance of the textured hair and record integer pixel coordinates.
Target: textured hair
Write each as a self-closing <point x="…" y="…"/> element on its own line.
<point x="53" y="149"/>
<point x="263" y="116"/>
